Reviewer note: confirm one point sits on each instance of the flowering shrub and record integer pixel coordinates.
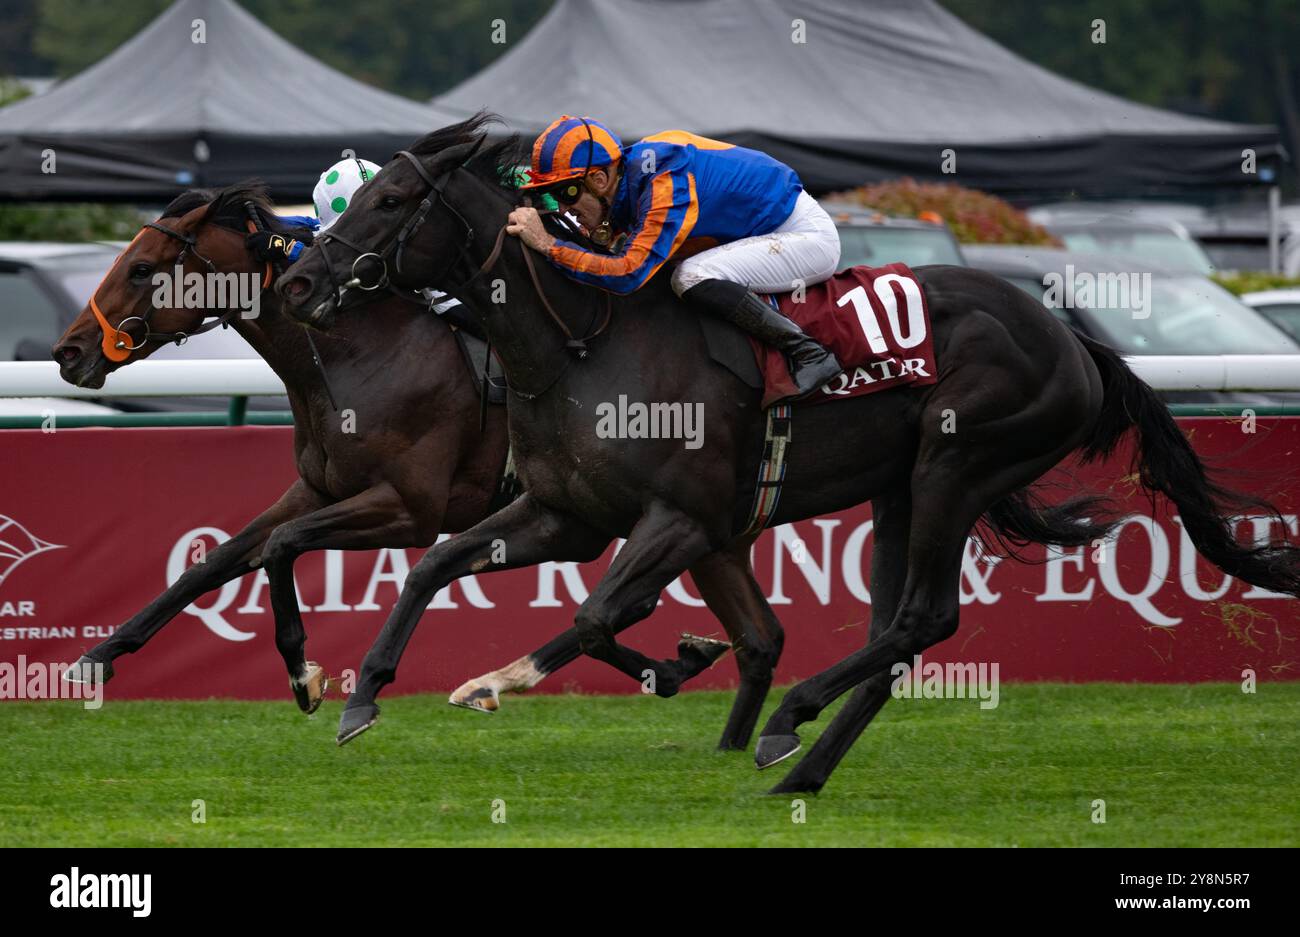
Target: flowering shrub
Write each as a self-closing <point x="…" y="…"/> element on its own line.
<point x="1251" y="282"/>
<point x="975" y="217"/>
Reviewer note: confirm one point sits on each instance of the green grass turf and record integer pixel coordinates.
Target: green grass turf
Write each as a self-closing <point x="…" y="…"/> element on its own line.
<point x="1176" y="765"/>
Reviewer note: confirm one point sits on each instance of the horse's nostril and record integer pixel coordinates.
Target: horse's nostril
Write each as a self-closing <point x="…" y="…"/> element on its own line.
<point x="298" y="286"/>
<point x="67" y="354"/>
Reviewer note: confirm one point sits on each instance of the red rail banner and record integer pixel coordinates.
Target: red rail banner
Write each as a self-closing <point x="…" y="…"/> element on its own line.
<point x="95" y="523"/>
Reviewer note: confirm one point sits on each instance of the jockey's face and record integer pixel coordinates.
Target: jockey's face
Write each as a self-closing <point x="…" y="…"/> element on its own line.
<point x="588" y="209"/>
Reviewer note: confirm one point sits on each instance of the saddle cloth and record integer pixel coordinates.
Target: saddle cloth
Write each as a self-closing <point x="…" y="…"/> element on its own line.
<point x="874" y="319"/>
<point x="475" y="350"/>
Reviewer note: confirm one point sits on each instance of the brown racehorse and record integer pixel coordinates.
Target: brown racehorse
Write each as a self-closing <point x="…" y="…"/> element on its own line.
<point x="417" y="464"/>
<point x="1017" y="393"/>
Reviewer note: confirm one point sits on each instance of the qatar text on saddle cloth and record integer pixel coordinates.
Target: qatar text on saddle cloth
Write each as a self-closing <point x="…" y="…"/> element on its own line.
<point x="876" y="321"/>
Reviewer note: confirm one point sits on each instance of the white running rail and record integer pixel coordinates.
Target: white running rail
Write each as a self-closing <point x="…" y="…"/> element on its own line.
<point x="245" y="377"/>
<point x="211" y="377"/>
<point x="1219" y="372"/>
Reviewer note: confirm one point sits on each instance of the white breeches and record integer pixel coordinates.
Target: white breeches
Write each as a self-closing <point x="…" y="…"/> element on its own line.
<point x="804" y="249"/>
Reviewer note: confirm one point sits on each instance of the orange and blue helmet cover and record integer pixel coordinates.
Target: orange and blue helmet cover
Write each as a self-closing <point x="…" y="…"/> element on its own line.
<point x="569" y="147"/>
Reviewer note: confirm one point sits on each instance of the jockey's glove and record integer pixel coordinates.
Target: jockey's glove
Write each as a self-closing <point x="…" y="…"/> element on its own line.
<point x="272" y="247"/>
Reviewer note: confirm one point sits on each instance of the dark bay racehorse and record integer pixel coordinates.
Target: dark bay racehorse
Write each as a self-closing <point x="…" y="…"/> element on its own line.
<point x="1018" y="390"/>
<point x="416" y="465"/>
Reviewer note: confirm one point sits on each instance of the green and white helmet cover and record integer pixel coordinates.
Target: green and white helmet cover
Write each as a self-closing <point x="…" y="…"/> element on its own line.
<point x="334" y="189"/>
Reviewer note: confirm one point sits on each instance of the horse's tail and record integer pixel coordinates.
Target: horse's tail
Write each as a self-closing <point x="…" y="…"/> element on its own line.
<point x="1023" y="517"/>
<point x="1166" y="463"/>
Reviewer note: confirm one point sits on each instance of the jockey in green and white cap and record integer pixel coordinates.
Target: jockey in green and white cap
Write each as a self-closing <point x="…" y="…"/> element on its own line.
<point x="337" y="185"/>
<point x="333" y="193"/>
<point x="331" y="197"/>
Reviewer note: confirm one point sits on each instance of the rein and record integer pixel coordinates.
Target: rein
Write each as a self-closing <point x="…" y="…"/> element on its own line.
<point x="412" y="223"/>
<point x="395" y="247"/>
<point x="576" y="346"/>
<point x="255" y="225"/>
<point x="118" y="344"/>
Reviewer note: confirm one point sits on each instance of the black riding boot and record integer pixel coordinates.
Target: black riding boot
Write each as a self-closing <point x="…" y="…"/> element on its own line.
<point x="811" y="365"/>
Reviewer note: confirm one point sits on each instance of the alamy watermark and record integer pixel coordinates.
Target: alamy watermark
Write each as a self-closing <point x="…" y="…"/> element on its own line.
<point x="33" y="680"/>
<point x="80" y="889"/>
<point x="1110" y="290"/>
<point x="953" y="680"/>
<point x="181" y="290"/>
<point x="637" y="420"/>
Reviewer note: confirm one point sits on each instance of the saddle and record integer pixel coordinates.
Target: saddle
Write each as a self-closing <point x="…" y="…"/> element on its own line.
<point x="875" y="319"/>
<point x="473" y="345"/>
<point x="475" y="350"/>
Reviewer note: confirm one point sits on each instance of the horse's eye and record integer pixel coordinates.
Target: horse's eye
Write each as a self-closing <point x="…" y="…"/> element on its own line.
<point x="140" y="271"/>
<point x="390" y="203"/>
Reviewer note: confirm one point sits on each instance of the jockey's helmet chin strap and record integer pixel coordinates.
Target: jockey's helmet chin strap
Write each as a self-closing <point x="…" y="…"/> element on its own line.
<point x="602" y="234"/>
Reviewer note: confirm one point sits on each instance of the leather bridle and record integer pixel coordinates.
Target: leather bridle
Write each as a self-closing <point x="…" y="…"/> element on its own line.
<point x="407" y="229"/>
<point x="393" y="249"/>
<point x="117" y="344"/>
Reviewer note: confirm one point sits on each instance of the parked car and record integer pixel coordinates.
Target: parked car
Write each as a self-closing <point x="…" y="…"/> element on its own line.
<point x="1186" y="214"/>
<point x="1138" y="230"/>
<point x="1281" y="307"/>
<point x="875" y="239"/>
<point x="44" y="286"/>
<point x="1187" y="314"/>
<point x="1234" y="236"/>
<point x="1237" y="238"/>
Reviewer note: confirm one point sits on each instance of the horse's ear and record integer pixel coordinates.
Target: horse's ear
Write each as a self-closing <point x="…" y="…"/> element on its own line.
<point x="454" y="156"/>
<point x="196" y="216"/>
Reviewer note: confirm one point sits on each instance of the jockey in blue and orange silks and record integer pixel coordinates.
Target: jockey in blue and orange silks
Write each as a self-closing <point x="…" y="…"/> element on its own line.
<point x="668" y="196"/>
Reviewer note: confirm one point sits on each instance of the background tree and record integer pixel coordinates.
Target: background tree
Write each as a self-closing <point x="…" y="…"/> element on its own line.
<point x="411" y="47"/>
<point x="1230" y="59"/>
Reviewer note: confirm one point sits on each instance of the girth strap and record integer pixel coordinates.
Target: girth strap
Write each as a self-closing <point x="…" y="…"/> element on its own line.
<point x="509" y="485"/>
<point x="771" y="468"/>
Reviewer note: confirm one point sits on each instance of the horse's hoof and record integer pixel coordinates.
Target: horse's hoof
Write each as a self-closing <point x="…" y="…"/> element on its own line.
<point x="310" y="693"/>
<point x="774" y="748"/>
<point x="702" y="651"/>
<point x="355" y="720"/>
<point x="474" y="696"/>
<point x="83" y="671"/>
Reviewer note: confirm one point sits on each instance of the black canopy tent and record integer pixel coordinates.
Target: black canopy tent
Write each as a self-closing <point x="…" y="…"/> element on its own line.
<point x="878" y="89"/>
<point x="164" y="113"/>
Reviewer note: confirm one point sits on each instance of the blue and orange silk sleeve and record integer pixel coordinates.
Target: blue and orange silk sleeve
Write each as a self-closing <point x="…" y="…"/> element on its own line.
<point x="666" y="214"/>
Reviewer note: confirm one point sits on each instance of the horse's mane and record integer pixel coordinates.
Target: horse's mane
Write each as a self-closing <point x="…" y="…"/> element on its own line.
<point x="494" y="162"/>
<point x="227" y="209"/>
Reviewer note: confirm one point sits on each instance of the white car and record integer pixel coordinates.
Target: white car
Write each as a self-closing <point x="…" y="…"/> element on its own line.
<point x="1281" y="307"/>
